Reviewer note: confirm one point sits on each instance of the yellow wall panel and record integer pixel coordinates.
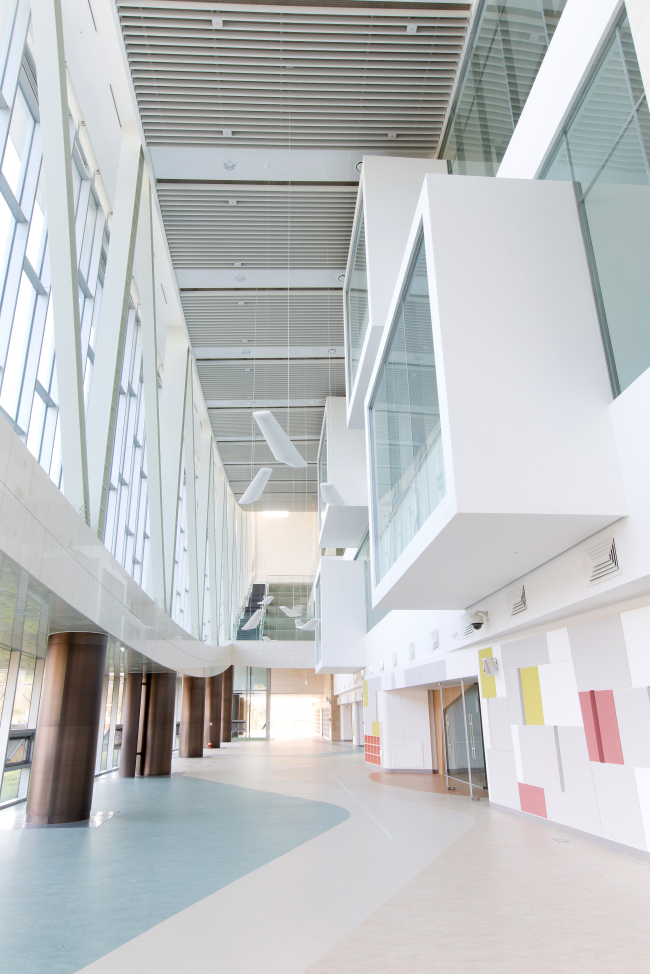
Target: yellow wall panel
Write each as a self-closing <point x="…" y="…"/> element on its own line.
<point x="532" y="695"/>
<point x="375" y="728"/>
<point x="488" y="683"/>
<point x="365" y="693"/>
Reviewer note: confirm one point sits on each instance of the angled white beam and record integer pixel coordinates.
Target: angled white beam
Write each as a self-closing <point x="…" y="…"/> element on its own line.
<point x="151" y="406"/>
<point x="172" y="411"/>
<point x="268" y="165"/>
<point x="57" y="165"/>
<point x="216" y="353"/>
<point x="111" y="331"/>
<point x="190" y="506"/>
<point x="202" y="515"/>
<point x="257" y="277"/>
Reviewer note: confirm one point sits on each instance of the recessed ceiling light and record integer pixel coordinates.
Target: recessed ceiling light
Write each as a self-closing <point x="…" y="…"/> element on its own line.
<point x="411" y="28"/>
<point x="227" y="133"/>
<point x="230" y="164"/>
<point x="392" y="135"/>
<point x="217" y="23"/>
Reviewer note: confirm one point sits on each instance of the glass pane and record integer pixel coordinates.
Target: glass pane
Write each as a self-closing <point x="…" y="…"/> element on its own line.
<point x="12" y="378"/>
<point x="607" y="140"/>
<point x="499" y="71"/>
<point x="10" y="785"/>
<point x="407" y="461"/>
<point x="37" y="229"/>
<point x="357" y="303"/>
<point x="23" y="698"/>
<point x="17" y="149"/>
<point x="18" y="750"/>
<point x="602" y="118"/>
<point x="322" y="466"/>
<point x="373" y="616"/>
<point x="5" y="656"/>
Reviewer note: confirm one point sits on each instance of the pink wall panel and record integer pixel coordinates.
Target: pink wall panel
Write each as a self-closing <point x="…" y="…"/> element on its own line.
<point x="609" y="735"/>
<point x="532" y="800"/>
<point x="590" y="720"/>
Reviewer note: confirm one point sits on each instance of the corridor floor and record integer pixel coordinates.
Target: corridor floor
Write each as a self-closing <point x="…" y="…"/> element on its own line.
<point x="292" y="858"/>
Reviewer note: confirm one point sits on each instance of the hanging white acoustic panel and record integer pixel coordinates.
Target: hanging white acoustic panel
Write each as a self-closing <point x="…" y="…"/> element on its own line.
<point x="330" y="495"/>
<point x="256" y="487"/>
<point x="279" y="443"/>
<point x="254" y="620"/>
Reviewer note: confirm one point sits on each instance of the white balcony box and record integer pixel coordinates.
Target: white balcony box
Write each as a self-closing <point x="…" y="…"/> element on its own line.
<point x="342" y="465"/>
<point x="491" y="445"/>
<point x="389" y="190"/>
<point x="340" y="604"/>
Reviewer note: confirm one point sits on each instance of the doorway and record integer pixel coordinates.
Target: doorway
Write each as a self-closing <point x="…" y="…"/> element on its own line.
<point x="459" y="737"/>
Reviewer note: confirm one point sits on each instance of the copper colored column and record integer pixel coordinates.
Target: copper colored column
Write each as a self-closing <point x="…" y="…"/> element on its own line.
<point x="213" y="691"/>
<point x="226" y="706"/>
<point x="65" y="750"/>
<point x="130" y="724"/>
<point x="192" y="716"/>
<point x="159" y="724"/>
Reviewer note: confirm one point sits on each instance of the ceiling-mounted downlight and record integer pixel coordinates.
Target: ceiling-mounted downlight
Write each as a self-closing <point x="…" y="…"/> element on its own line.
<point x="256" y="487"/>
<point x="279" y="443"/>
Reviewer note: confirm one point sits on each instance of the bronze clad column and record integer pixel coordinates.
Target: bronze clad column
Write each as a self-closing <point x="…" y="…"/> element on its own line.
<point x="213" y="691"/>
<point x="192" y="716"/>
<point x="156" y="758"/>
<point x="130" y="724"/>
<point x="65" y="750"/>
<point x="226" y="706"/>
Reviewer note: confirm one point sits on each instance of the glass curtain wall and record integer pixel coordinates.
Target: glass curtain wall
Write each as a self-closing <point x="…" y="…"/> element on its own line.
<point x="373" y="616"/>
<point x="322" y="469"/>
<point x="406" y="446"/>
<point x="463" y="736"/>
<point x="249" y="703"/>
<point x="605" y="151"/>
<point x="356" y="302"/>
<point x="505" y="52"/>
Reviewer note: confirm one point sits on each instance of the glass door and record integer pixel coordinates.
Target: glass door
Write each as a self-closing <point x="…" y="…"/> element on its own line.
<point x="463" y="734"/>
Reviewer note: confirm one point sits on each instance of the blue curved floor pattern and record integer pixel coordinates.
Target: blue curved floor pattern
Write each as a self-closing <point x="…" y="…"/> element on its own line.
<point x="69" y="896"/>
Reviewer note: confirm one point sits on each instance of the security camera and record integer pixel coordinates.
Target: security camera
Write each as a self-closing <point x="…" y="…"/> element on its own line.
<point x="478" y="619"/>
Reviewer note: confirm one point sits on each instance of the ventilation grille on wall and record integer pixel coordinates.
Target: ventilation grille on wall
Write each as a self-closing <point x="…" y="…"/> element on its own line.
<point x="411" y="651"/>
<point x="466" y="624"/>
<point x="601" y="561"/>
<point x="394" y="659"/>
<point x="517" y="600"/>
<point x="435" y="640"/>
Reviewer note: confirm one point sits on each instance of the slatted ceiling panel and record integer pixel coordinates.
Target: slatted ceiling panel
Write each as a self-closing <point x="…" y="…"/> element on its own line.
<point x="285" y="502"/>
<point x="297" y="379"/>
<point x="297" y="421"/>
<point x="302" y="227"/>
<point x="242" y="474"/>
<point x="265" y="317"/>
<point x="335" y="77"/>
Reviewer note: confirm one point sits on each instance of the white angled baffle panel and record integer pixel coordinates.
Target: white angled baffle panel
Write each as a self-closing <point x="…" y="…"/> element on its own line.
<point x="343" y="501"/>
<point x="389" y="190"/>
<point x="527" y="464"/>
<point x="341" y="607"/>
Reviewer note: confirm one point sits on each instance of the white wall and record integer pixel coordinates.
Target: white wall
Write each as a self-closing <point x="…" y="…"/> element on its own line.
<point x="285" y="545"/>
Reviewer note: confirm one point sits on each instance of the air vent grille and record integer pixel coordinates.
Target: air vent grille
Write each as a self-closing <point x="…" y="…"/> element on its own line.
<point x="394" y="659"/>
<point x="411" y="651"/>
<point x="601" y="561"/>
<point x="466" y="625"/>
<point x="435" y="640"/>
<point x="517" y="600"/>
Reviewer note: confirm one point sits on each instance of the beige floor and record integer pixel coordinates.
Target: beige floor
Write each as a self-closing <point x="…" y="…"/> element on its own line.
<point x="414" y="881"/>
<point x="508" y="896"/>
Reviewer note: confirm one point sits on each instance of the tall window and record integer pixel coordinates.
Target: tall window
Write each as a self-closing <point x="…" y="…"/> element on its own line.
<point x="322" y="468"/>
<point x="505" y="52"/>
<point x="605" y="150"/>
<point x="407" y="461"/>
<point x="356" y="302"/>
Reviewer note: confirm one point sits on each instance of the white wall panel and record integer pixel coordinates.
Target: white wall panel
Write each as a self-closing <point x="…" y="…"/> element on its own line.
<point x="576" y="766"/>
<point x="636" y="631"/>
<point x="502" y="778"/>
<point x="633" y="716"/>
<point x="560" y="699"/>
<point x="618" y="801"/>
